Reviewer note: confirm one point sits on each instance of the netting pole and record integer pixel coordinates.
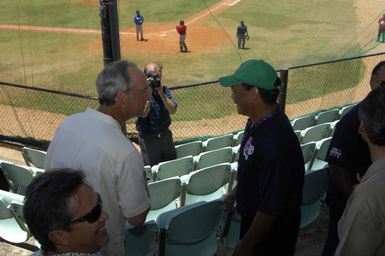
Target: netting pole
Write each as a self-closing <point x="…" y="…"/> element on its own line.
<point x="110" y="30"/>
<point x="284" y="75"/>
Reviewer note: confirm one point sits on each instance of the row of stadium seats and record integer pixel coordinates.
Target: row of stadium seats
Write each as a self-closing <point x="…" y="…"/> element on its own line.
<point x="176" y="232"/>
<point x="196" y="147"/>
<point x="303" y="122"/>
<point x="179" y="231"/>
<point x="187" y="164"/>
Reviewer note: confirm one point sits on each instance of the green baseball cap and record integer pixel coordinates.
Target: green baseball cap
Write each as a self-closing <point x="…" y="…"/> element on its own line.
<point x="257" y="73"/>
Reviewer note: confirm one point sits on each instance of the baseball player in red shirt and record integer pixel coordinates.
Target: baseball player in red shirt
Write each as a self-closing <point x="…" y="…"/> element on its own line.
<point x="181" y="29"/>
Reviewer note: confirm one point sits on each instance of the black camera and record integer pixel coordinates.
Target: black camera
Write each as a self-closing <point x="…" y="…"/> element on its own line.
<point x="154" y="80"/>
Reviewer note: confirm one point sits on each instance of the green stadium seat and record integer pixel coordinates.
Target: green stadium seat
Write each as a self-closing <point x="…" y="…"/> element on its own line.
<point x="301" y="123"/>
<point x="218" y="142"/>
<point x="172" y="168"/>
<point x="207" y="184"/>
<point x="17" y="176"/>
<point x="34" y="157"/>
<point x="189" y="149"/>
<point x="142" y="240"/>
<point x="308" y="150"/>
<point x="190" y="230"/>
<point x="238" y="138"/>
<point x="320" y="154"/>
<point x="315" y="185"/>
<point x="163" y="194"/>
<point x="327" y="116"/>
<point x="346" y="109"/>
<point x="206" y="159"/>
<point x="11" y="229"/>
<point x="315" y="133"/>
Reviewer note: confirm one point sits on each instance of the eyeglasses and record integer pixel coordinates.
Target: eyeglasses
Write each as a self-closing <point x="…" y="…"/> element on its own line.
<point x="93" y="215"/>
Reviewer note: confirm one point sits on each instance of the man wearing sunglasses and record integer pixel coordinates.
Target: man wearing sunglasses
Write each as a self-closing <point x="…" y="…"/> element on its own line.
<point x="65" y="214"/>
<point x="348" y="157"/>
<point x="94" y="141"/>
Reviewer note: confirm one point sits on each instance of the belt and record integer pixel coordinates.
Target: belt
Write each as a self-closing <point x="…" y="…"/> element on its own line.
<point x="155" y="135"/>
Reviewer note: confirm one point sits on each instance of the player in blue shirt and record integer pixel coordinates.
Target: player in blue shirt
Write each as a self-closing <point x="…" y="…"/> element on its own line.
<point x="138" y="20"/>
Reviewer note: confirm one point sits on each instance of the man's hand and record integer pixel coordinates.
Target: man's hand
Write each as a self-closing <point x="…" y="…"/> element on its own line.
<point x="229" y="202"/>
<point x="160" y="92"/>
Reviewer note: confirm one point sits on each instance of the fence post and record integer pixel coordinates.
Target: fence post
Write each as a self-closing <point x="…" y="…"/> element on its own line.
<point x="283" y="74"/>
<point x="110" y="30"/>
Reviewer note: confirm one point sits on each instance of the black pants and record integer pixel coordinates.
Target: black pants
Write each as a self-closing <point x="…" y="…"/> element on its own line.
<point x="157" y="148"/>
<point x="336" y="204"/>
<point x="282" y="237"/>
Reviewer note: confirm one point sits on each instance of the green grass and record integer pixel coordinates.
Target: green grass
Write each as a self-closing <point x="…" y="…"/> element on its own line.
<point x="291" y="33"/>
<point x="78" y="14"/>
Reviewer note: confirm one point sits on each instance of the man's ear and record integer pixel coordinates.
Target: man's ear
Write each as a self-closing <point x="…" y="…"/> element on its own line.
<point x="255" y="92"/>
<point x="120" y="97"/>
<point x="362" y="131"/>
<point x="59" y="238"/>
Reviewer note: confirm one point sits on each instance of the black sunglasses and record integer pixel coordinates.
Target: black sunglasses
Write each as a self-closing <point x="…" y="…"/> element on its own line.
<point x="93" y="215"/>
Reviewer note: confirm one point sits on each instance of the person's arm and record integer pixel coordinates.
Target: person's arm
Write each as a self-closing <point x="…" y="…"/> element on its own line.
<point x="230" y="200"/>
<point x="168" y="103"/>
<point x="261" y="225"/>
<point x="138" y="219"/>
<point x="342" y="179"/>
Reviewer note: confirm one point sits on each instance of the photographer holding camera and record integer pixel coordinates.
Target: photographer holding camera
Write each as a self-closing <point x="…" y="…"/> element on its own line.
<point x="155" y="137"/>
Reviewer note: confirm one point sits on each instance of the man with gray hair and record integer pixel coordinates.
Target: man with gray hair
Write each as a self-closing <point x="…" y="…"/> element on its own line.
<point x="93" y="141"/>
<point x="361" y="227"/>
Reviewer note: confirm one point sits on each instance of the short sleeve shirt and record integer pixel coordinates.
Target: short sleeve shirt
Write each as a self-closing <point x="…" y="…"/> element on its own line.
<point x="347" y="148"/>
<point x="94" y="143"/>
<point x="361" y="229"/>
<point x="270" y="168"/>
<point x="158" y="119"/>
<point x="138" y="20"/>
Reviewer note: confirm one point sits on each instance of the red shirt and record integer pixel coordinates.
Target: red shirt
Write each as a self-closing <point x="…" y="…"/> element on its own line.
<point x="181" y="29"/>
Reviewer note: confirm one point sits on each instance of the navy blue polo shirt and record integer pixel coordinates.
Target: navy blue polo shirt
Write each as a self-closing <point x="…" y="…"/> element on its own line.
<point x="158" y="119"/>
<point x="347" y="148"/>
<point x="270" y="167"/>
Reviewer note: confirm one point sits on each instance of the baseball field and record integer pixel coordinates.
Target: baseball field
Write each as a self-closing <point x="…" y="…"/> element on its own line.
<point x="285" y="34"/>
<point x="57" y="44"/>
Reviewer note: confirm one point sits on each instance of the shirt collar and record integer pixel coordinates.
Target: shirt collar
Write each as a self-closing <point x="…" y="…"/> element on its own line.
<point x="103" y="117"/>
<point x="374" y="168"/>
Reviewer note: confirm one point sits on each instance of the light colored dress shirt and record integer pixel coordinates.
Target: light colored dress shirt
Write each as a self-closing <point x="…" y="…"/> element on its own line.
<point x="361" y="229"/>
<point x="93" y="142"/>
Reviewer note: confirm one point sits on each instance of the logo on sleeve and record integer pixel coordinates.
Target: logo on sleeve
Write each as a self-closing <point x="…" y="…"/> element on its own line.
<point x="248" y="149"/>
<point x="335" y="152"/>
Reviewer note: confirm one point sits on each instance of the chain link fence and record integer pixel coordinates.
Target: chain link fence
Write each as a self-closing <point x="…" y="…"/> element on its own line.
<point x="31" y="115"/>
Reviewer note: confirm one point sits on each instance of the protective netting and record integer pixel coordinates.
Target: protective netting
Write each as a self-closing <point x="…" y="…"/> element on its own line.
<point x="57" y="45"/>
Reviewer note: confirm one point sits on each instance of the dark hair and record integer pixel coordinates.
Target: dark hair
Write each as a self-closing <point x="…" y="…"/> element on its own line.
<point x="376" y="69"/>
<point x="268" y="96"/>
<point x="46" y="203"/>
<point x="372" y="114"/>
<point x="113" y="78"/>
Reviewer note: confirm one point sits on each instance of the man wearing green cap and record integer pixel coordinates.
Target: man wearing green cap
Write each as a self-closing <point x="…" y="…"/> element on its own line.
<point x="268" y="194"/>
